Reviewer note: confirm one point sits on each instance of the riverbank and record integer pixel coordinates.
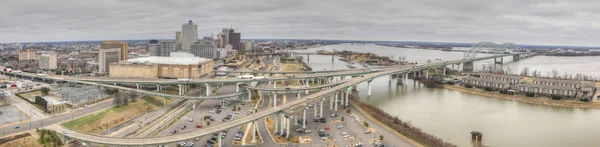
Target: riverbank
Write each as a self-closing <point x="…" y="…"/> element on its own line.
<point x="524" y="99"/>
<point x="401" y="129"/>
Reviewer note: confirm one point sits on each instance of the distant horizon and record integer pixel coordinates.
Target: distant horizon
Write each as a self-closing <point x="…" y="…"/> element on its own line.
<point x="341" y="40"/>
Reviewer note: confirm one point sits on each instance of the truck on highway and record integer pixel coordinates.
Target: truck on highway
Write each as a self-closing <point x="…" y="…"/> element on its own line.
<point x="245" y="77"/>
<point x="41" y="74"/>
<point x="184" y="80"/>
<point x="260" y="77"/>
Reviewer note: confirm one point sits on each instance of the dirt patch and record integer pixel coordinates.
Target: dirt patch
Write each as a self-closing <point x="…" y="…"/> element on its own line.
<point x="112" y="117"/>
<point x="524" y="99"/>
<point x="30" y="95"/>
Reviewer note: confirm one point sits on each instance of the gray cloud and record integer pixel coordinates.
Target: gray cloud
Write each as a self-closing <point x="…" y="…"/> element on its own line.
<point x="518" y="21"/>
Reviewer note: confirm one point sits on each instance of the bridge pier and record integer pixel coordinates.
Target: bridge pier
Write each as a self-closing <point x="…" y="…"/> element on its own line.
<point x="158" y="87"/>
<point x="208" y="89"/>
<point x="137" y="86"/>
<point x="275" y="84"/>
<point x="516" y="57"/>
<point x="468" y="66"/>
<point x="274" y="99"/>
<point x="427" y="73"/>
<point x="299" y="94"/>
<point x="369" y="87"/>
<point x="342" y="96"/>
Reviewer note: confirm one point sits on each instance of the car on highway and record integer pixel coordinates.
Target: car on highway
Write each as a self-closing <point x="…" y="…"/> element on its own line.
<point x="307" y="131"/>
<point x="368" y="132"/>
<point x="333" y="115"/>
<point x="17" y="127"/>
<point x="65" y="132"/>
<point x="260" y="77"/>
<point x="375" y="70"/>
<point x="182" y="127"/>
<point x="199" y="125"/>
<point x="245" y="77"/>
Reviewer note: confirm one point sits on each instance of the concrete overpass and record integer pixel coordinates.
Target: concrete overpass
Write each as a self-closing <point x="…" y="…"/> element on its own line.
<point x="103" y="140"/>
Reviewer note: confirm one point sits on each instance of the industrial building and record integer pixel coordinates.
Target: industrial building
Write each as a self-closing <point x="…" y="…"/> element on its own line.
<point x="166" y="47"/>
<point x="155" y="67"/>
<point x="206" y="50"/>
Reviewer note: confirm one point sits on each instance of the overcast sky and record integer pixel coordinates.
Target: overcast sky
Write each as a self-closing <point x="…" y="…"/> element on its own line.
<point x="558" y="22"/>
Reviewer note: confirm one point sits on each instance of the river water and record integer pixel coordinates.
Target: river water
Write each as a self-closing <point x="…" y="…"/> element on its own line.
<point x="452" y="115"/>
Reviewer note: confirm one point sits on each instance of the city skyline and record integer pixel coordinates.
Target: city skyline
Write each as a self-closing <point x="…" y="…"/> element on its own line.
<point x="458" y="21"/>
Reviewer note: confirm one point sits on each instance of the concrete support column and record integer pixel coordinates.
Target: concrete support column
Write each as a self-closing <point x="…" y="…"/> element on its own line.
<point x="331" y="101"/>
<point x="299" y="94"/>
<point x="369" y="87"/>
<point x="307" y="85"/>
<point x="136" y="85"/>
<point x="282" y="123"/>
<point x="414" y="74"/>
<point x="249" y="95"/>
<point x="315" y="110"/>
<point x="287" y="134"/>
<point x="254" y="128"/>
<point x="342" y="96"/>
<point x="427" y="74"/>
<point x="276" y="122"/>
<point x="347" y="95"/>
<point x="296" y="120"/>
<point x="304" y="119"/>
<point x="164" y="101"/>
<point x="335" y="101"/>
<point x="220" y="142"/>
<point x="193" y="104"/>
<point x="321" y="112"/>
<point x="180" y="89"/>
<point x="157" y="87"/>
<point x="405" y="78"/>
<point x="444" y="70"/>
<point x="274" y="99"/>
<point x="275" y="84"/>
<point x="208" y="89"/>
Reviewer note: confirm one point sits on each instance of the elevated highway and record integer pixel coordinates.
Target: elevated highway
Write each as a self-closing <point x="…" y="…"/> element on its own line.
<point x="103" y="140"/>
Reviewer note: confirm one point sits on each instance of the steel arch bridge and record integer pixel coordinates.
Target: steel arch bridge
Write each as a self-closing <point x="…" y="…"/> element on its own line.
<point x="489" y="47"/>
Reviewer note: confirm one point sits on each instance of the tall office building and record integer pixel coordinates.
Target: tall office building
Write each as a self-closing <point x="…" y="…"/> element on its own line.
<point x="154" y="48"/>
<point x="178" y="36"/>
<point x="166" y="47"/>
<point x="234" y="40"/>
<point x="225" y="35"/>
<point x="26" y="54"/>
<point x="220" y="40"/>
<point x="189" y="34"/>
<point x="107" y="56"/>
<point x="124" y="46"/>
<point x="48" y="61"/>
<point x="204" y="49"/>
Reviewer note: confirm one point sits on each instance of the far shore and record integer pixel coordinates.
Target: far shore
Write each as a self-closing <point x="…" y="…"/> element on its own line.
<point x="525" y="99"/>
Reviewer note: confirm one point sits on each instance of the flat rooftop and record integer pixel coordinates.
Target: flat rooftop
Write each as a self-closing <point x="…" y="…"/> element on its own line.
<point x="168" y="60"/>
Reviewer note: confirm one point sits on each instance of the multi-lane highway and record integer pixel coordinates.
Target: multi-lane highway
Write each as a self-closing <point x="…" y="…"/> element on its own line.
<point x="252" y="117"/>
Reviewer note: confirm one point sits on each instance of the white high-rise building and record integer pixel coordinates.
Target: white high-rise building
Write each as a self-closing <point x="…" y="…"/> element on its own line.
<point x="189" y="34"/>
<point x="47" y="61"/>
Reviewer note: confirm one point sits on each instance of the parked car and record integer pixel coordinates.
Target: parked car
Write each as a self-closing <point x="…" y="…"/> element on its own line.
<point x="368" y="132"/>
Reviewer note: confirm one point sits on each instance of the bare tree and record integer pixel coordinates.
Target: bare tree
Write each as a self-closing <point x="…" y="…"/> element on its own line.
<point x="525" y="71"/>
<point x="534" y="73"/>
<point x="555" y="73"/>
<point x="566" y="75"/>
<point x="483" y="67"/>
<point x="508" y="71"/>
<point x="133" y="96"/>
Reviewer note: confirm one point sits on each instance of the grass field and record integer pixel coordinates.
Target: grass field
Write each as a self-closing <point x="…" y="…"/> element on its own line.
<point x="157" y="101"/>
<point x="115" y="116"/>
<point x="28" y="141"/>
<point x="31" y="95"/>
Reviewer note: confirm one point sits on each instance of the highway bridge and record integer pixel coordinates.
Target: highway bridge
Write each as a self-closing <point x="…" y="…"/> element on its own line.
<point x="367" y="77"/>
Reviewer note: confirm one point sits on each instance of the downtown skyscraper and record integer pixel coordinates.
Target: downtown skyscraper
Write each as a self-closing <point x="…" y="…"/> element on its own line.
<point x="189" y="35"/>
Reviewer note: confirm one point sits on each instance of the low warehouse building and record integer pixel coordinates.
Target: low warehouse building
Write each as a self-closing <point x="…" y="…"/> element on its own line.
<point x="155" y="67"/>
